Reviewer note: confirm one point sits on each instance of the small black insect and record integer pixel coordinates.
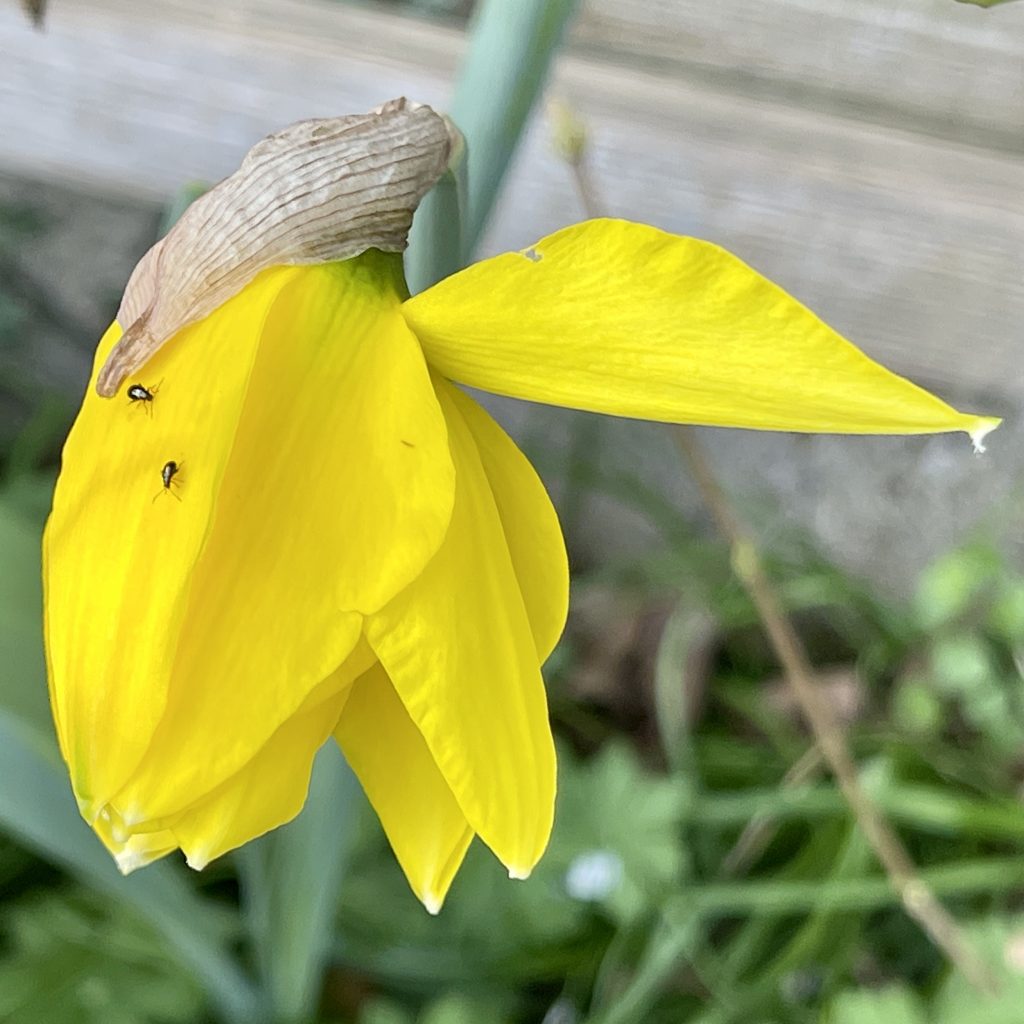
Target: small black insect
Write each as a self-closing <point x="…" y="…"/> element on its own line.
<point x="140" y="393"/>
<point x="167" y="475"/>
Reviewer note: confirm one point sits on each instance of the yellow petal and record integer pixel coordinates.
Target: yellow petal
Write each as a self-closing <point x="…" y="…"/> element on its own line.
<point x="335" y="487"/>
<point x="622" y="318"/>
<point x="269" y="791"/>
<point x="116" y="561"/>
<point x="458" y="648"/>
<point x="131" y="852"/>
<point x="265" y="793"/>
<point x="421" y="818"/>
<point x="528" y="518"/>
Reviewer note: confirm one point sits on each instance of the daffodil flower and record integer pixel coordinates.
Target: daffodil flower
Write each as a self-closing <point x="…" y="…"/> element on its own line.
<point x="279" y="519"/>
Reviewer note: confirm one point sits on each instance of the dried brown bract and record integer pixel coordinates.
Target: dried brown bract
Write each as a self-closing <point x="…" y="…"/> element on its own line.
<point x="318" y="191"/>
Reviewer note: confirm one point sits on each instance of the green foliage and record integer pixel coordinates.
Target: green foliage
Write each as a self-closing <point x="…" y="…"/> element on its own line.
<point x="895" y="1005"/>
<point x="617" y="845"/>
<point x="69" y="957"/>
<point x="21" y="600"/>
<point x="691" y="879"/>
<point x="1000" y="941"/>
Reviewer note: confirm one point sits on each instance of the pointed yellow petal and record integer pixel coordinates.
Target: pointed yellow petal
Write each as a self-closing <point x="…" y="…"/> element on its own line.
<point x="528" y="518"/>
<point x="185" y="632"/>
<point x="265" y="793"/>
<point x="269" y="791"/>
<point x="117" y="562"/>
<point x="622" y="318"/>
<point x="421" y="818"/>
<point x="458" y="648"/>
<point x="131" y="852"/>
<point x="338" y="490"/>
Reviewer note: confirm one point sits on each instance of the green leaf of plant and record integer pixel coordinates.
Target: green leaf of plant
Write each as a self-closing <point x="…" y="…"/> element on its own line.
<point x="37" y="808"/>
<point x="1000" y="944"/>
<point x="291" y="880"/>
<point x="72" y="958"/>
<point x="23" y="692"/>
<point x="895" y="1005"/>
<point x="679" y="666"/>
<point x="618" y="840"/>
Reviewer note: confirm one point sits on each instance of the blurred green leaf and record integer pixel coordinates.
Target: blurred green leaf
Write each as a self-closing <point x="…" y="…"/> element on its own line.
<point x="618" y="843"/>
<point x="896" y="1005"/>
<point x="964" y="668"/>
<point x="673" y="942"/>
<point x="678" y="682"/>
<point x="949" y="585"/>
<point x="1006" y="613"/>
<point x="383" y="1011"/>
<point x="916" y="707"/>
<point x="40" y="436"/>
<point x="460" y="1009"/>
<point x="23" y="692"/>
<point x="37" y="808"/>
<point x="961" y="663"/>
<point x="77" y="959"/>
<point x="1000" y="943"/>
<point x="291" y="880"/>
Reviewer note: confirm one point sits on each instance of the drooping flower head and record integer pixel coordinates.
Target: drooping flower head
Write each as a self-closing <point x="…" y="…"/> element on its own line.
<point x="279" y="520"/>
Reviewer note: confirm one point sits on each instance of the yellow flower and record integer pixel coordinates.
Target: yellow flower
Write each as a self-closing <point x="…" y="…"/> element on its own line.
<point x="289" y="524"/>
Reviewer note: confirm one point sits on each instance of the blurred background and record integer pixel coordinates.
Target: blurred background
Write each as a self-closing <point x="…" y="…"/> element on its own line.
<point x="869" y="157"/>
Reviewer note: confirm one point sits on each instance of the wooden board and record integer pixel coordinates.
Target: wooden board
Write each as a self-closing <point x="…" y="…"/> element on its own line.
<point x="867" y="156"/>
<point x="942" y="68"/>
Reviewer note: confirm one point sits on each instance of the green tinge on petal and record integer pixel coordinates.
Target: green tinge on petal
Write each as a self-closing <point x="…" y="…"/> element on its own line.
<point x="622" y="318"/>
<point x="458" y="648"/>
<point x="420" y="816"/>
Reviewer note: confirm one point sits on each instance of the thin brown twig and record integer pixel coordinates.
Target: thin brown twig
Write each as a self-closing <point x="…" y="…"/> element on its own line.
<point x="917" y="898"/>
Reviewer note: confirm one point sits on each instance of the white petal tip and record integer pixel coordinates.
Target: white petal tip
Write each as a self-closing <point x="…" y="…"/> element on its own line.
<point x="981" y="431"/>
<point x="433" y="903"/>
<point x="519" y="874"/>
<point x="197" y="861"/>
<point x="130" y="860"/>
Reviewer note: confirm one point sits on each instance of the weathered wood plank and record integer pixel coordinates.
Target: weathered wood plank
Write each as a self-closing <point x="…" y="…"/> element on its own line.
<point x="911" y="244"/>
<point x="942" y="68"/>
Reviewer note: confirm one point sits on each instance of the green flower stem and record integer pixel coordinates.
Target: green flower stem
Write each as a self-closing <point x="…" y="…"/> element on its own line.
<point x="437" y="241"/>
<point x="511" y="46"/>
<point x="502" y="76"/>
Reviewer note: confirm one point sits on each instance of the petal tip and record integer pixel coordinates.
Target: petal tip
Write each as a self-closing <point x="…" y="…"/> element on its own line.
<point x="984" y="425"/>
<point x="519" y="874"/>
<point x="129" y="860"/>
<point x="197" y="859"/>
<point x="433" y="903"/>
